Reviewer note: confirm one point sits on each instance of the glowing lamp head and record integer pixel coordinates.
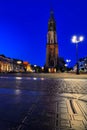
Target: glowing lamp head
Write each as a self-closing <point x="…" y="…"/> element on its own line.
<point x="35" y="65"/>
<point x="81" y="38"/>
<point x="74" y="39"/>
<point x="67" y="60"/>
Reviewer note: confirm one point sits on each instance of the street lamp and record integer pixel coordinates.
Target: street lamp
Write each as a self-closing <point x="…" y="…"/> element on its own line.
<point x="68" y="61"/>
<point x="76" y="40"/>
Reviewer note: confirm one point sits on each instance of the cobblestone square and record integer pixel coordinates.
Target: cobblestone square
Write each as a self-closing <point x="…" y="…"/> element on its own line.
<point x="43" y="103"/>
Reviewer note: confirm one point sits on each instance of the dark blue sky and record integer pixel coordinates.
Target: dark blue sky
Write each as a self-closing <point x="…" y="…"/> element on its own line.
<point x="24" y="25"/>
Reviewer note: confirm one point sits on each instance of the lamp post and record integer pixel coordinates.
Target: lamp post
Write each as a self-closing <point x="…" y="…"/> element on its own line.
<point x="76" y="40"/>
<point x="35" y="68"/>
<point x="68" y="61"/>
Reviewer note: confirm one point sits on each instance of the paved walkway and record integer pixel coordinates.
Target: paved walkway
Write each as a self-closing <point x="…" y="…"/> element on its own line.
<point x="46" y="75"/>
<point x="64" y="112"/>
<point x="43" y="104"/>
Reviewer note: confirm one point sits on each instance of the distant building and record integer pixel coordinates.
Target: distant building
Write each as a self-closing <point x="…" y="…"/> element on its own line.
<point x="52" y="45"/>
<point x="27" y="67"/>
<point x="13" y="65"/>
<point x="6" y="64"/>
<point x="82" y="65"/>
<point x="18" y="65"/>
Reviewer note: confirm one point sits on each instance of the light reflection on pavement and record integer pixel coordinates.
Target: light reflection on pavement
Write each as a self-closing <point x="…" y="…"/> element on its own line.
<point x="43" y="104"/>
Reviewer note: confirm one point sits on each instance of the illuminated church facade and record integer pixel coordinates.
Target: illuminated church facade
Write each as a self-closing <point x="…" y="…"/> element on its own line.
<point x="52" y="52"/>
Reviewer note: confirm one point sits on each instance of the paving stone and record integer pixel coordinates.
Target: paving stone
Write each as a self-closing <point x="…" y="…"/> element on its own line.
<point x="64" y="116"/>
<point x="78" y="125"/>
<point x="65" y="123"/>
<point x="63" y="110"/>
<point x="43" y="105"/>
<point x="79" y="117"/>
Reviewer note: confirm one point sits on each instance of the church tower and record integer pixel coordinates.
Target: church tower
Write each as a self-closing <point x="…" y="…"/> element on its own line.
<point x="52" y="45"/>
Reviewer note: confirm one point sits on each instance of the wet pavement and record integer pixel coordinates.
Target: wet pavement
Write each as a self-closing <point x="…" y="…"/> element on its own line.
<point x="43" y="104"/>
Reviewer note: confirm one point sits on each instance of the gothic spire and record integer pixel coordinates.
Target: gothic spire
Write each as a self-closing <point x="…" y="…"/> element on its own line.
<point x="52" y="23"/>
<point x="51" y="14"/>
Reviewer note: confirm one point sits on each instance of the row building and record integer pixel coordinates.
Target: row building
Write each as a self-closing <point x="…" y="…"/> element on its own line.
<point x="13" y="65"/>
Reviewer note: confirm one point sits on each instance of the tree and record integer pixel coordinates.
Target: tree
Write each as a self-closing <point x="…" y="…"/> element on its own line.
<point x="60" y="64"/>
